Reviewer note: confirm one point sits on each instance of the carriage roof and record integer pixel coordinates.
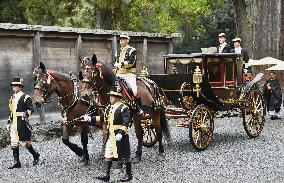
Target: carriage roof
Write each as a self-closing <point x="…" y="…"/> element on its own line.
<point x="201" y="55"/>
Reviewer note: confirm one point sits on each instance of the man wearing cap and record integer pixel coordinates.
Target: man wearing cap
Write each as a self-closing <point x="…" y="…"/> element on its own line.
<point x="223" y="47"/>
<point x="21" y="108"/>
<point x="125" y="63"/>
<point x="238" y="49"/>
<point x="273" y="96"/>
<point x="117" y="145"/>
<point x="249" y="76"/>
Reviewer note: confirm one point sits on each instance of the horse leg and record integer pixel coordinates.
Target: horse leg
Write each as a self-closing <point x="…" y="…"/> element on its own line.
<point x="84" y="129"/>
<point x="157" y="125"/>
<point x="139" y="136"/>
<point x="66" y="131"/>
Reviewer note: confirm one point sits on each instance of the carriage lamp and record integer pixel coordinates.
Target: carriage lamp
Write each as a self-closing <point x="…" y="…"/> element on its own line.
<point x="197" y="79"/>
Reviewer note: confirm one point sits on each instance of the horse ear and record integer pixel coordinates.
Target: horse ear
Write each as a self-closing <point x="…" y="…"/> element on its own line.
<point x="94" y="59"/>
<point x="42" y="66"/>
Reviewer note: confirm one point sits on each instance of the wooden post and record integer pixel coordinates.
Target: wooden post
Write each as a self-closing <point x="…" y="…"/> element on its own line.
<point x="114" y="47"/>
<point x="144" y="52"/>
<point x="36" y="61"/>
<point x="170" y="48"/>
<point x="36" y="50"/>
<point x="79" y="52"/>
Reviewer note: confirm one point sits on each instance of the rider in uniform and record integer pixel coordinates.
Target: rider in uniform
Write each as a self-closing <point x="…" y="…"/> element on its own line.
<point x="117" y="145"/>
<point x="21" y="108"/>
<point x="125" y="63"/>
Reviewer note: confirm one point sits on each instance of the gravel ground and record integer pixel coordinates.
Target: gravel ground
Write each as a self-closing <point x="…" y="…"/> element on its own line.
<point x="231" y="157"/>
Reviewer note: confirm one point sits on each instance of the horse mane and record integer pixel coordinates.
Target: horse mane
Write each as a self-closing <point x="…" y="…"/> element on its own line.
<point x="59" y="75"/>
<point x="108" y="73"/>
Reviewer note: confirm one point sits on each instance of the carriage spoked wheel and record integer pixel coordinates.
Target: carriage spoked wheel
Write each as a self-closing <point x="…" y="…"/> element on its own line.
<point x="253" y="113"/>
<point x="201" y="127"/>
<point x="150" y="137"/>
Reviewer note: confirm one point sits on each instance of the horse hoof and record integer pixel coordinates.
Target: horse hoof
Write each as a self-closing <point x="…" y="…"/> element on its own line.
<point x="136" y="159"/>
<point x="161" y="157"/>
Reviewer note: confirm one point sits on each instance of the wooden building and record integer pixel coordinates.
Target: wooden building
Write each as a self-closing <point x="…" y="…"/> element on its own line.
<point x="23" y="46"/>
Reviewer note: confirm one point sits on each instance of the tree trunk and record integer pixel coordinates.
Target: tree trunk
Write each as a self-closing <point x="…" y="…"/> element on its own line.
<point x="267" y="29"/>
<point x="242" y="24"/>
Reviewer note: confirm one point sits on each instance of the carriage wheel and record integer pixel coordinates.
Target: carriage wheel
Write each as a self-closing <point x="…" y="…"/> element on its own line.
<point x="150" y="137"/>
<point x="201" y="127"/>
<point x="253" y="113"/>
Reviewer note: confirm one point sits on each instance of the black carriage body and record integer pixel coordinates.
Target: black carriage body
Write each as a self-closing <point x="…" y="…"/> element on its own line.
<point x="221" y="79"/>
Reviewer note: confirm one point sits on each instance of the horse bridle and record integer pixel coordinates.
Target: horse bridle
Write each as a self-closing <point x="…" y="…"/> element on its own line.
<point x="41" y="84"/>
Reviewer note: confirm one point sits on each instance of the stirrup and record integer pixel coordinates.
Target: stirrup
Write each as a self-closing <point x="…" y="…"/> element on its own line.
<point x="141" y="112"/>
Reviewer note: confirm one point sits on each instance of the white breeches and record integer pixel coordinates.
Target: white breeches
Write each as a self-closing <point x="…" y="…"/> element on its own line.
<point x="108" y="149"/>
<point x="131" y="81"/>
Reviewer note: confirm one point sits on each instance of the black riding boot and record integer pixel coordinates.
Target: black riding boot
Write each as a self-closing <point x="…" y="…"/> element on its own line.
<point x="139" y="105"/>
<point x="128" y="175"/>
<point x="35" y="155"/>
<point x="17" y="163"/>
<point x="106" y="176"/>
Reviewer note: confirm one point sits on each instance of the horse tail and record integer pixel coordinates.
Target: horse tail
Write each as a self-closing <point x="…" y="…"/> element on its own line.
<point x="164" y="124"/>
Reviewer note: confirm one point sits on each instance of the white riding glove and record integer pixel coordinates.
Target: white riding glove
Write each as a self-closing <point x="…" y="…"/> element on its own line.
<point x="118" y="137"/>
<point x="87" y="118"/>
<point x="8" y="127"/>
<point x="118" y="65"/>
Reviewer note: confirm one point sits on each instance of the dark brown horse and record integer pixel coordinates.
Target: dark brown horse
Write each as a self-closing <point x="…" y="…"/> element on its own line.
<point x="48" y="82"/>
<point x="98" y="79"/>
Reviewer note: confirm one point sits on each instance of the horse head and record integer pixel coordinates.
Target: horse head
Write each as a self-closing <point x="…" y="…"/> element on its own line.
<point x="43" y="85"/>
<point x="91" y="75"/>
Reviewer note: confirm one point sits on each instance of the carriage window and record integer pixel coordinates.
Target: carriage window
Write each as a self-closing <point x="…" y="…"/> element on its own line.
<point x="214" y="70"/>
<point x="229" y="70"/>
<point x="178" y="68"/>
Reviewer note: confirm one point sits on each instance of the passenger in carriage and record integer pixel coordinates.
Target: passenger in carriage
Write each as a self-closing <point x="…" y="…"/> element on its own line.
<point x="238" y="49"/>
<point x="117" y="145"/>
<point x="223" y="47"/>
<point x="273" y="96"/>
<point x="125" y="62"/>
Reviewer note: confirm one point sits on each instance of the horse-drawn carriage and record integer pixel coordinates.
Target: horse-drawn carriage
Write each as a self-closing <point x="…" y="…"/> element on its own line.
<point x="196" y="87"/>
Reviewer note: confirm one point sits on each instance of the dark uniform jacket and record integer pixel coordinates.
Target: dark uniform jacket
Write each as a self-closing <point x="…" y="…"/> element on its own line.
<point x="244" y="53"/>
<point x="23" y="104"/>
<point x="127" y="57"/>
<point x="274" y="96"/>
<point x="117" y="119"/>
<point x="226" y="49"/>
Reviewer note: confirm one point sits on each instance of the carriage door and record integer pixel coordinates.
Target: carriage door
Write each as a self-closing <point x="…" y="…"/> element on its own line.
<point x="216" y="72"/>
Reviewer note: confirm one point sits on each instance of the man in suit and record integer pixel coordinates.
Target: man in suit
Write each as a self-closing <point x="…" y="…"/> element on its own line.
<point x="238" y="49"/>
<point x="223" y="47"/>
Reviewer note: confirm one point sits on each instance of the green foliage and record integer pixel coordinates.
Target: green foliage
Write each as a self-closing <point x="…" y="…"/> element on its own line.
<point x="198" y="20"/>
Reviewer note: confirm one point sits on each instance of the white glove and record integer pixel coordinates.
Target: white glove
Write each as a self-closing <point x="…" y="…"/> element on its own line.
<point x="118" y="65"/>
<point x="118" y="137"/>
<point x="87" y="118"/>
<point x="24" y="115"/>
<point x="8" y="127"/>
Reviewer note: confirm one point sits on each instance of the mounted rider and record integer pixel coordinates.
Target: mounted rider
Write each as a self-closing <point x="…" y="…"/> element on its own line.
<point x="125" y="64"/>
